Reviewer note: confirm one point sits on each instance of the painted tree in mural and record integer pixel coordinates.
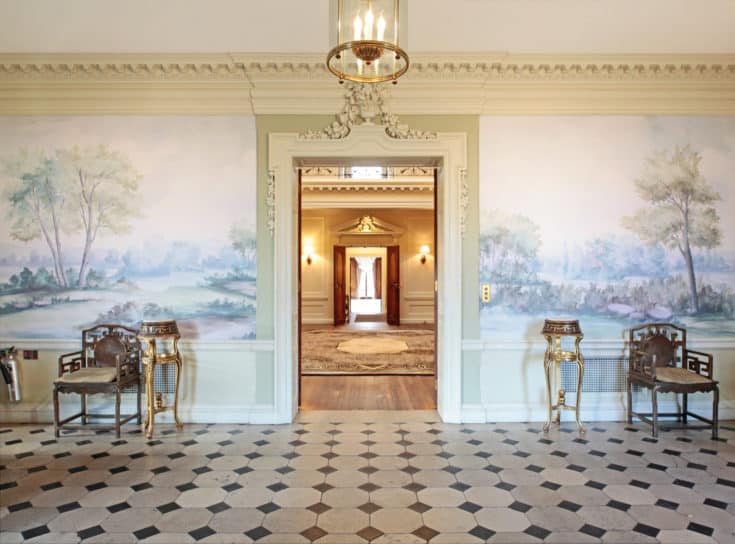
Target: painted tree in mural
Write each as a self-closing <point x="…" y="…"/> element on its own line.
<point x="75" y="190"/>
<point x="680" y="214"/>
<point x="509" y="246"/>
<point x="244" y="242"/>
<point x="38" y="204"/>
<point x="103" y="185"/>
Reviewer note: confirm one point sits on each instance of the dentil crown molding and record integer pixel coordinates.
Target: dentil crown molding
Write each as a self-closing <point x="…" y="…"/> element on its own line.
<point x="461" y="83"/>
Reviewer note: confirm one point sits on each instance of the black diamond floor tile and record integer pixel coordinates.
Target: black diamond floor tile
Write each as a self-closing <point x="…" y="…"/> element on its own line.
<point x="538" y="532"/>
<point x="632" y="466"/>
<point x="146" y="532"/>
<point x="646" y="530"/>
<point x="219" y="507"/>
<point x="268" y="507"/>
<point x="168" y="507"/>
<point x="90" y="532"/>
<point x="670" y="505"/>
<point x="119" y="507"/>
<point x="618" y="505"/>
<point x="34" y="532"/>
<point x="68" y="507"/>
<point x="592" y="530"/>
<point x="19" y="506"/>
<point x="257" y="533"/>
<point x="569" y="505"/>
<point x="202" y="532"/>
<point x="701" y="529"/>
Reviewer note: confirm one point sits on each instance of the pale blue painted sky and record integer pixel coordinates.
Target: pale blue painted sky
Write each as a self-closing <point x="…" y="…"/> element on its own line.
<point x="573" y="176"/>
<point x="198" y="171"/>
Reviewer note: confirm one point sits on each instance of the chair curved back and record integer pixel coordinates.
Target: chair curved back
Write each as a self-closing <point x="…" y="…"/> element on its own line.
<point x="101" y="344"/>
<point x="107" y="350"/>
<point x="657" y="344"/>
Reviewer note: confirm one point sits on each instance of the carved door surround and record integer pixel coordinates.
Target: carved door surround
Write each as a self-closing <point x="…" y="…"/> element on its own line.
<point x="354" y="139"/>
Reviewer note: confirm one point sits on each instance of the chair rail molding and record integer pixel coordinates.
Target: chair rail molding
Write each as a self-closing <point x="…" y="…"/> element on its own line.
<point x="299" y="83"/>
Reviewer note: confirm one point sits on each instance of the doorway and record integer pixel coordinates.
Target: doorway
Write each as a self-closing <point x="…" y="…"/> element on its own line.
<point x="367" y="303"/>
<point x="367" y="279"/>
<point x="287" y="153"/>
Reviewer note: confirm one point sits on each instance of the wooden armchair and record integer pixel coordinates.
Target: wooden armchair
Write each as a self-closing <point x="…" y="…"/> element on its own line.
<point x="661" y="362"/>
<point x="108" y="362"/>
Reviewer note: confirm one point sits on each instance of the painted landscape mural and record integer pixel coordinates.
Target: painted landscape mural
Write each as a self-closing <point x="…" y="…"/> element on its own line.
<point x="613" y="221"/>
<point x="124" y="219"/>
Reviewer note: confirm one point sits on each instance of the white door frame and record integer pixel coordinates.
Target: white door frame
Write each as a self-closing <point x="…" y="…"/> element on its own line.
<point x="366" y="143"/>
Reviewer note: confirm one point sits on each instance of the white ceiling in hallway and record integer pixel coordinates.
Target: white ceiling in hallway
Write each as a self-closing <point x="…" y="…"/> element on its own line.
<point x="516" y="26"/>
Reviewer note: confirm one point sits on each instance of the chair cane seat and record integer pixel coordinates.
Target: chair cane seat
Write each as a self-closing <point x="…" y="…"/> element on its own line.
<point x="89" y="375"/>
<point x="680" y="376"/>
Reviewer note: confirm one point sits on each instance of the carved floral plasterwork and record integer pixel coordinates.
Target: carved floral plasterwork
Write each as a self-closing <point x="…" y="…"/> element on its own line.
<point x="365" y="105"/>
<point x="369" y="225"/>
<point x="270" y="202"/>
<point x="464" y="200"/>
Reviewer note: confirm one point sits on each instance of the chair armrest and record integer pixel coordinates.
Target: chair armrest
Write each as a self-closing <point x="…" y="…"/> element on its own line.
<point x="699" y="362"/>
<point x="70" y="362"/>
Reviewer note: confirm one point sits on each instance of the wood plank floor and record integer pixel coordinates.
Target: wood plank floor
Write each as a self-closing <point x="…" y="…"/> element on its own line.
<point x="367" y="393"/>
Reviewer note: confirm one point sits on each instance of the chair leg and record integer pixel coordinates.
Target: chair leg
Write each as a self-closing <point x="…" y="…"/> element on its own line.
<point x="83" y="399"/>
<point x="654" y="414"/>
<point x="630" y="402"/>
<point x="117" y="412"/>
<point x="715" y="412"/>
<point x="140" y="403"/>
<point x="685" y="406"/>
<point x="57" y="417"/>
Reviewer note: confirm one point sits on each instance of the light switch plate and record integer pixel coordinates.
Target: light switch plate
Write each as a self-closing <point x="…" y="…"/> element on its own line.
<point x="485" y="293"/>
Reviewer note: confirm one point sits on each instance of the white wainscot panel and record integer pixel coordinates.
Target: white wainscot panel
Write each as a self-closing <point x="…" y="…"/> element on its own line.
<point x="218" y="385"/>
<point x="513" y="387"/>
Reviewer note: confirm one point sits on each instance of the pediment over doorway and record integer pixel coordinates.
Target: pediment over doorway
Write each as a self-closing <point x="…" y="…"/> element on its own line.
<point x="368" y="230"/>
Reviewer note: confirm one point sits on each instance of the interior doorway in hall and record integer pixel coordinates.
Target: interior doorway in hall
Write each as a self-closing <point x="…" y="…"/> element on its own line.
<point x="367" y="271"/>
<point x="367" y="299"/>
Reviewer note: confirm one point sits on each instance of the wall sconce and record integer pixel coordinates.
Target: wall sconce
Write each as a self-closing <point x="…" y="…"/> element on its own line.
<point x="424" y="250"/>
<point x="308" y="251"/>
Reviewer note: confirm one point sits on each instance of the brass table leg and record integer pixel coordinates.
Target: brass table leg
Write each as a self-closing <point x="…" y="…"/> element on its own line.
<point x="179" y="425"/>
<point x="580" y="375"/>
<point x="548" y="362"/>
<point x="150" y="401"/>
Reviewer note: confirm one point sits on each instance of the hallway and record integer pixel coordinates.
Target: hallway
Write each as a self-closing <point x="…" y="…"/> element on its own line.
<point x="368" y="392"/>
<point x="356" y="477"/>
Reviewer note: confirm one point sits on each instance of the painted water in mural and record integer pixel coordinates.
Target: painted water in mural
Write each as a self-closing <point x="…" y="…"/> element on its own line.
<point x="613" y="221"/>
<point x="124" y="219"/>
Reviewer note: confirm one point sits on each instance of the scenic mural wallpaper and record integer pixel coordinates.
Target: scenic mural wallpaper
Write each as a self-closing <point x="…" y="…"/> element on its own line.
<point x="124" y="219"/>
<point x="614" y="221"/>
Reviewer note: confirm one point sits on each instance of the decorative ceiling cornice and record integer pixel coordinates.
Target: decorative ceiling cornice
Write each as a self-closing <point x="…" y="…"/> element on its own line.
<point x="469" y="83"/>
<point x="427" y="65"/>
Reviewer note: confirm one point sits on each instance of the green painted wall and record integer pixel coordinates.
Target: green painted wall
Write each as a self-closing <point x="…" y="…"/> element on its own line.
<point x="469" y="124"/>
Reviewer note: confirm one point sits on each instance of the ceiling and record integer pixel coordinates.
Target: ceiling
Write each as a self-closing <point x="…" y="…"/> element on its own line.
<point x="282" y="26"/>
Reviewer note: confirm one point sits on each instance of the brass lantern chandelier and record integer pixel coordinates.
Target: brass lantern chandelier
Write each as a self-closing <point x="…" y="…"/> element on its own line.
<point x="367" y="49"/>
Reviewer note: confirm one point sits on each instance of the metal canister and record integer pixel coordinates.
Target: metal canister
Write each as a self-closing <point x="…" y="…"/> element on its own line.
<point x="11" y="374"/>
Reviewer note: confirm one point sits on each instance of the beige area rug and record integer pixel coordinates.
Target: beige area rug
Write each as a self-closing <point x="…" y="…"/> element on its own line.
<point x="321" y="353"/>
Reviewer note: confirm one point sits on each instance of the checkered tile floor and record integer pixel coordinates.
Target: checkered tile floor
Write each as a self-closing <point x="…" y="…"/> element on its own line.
<point x="339" y="477"/>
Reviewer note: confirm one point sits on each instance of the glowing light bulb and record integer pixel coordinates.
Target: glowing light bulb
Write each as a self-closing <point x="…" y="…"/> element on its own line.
<point x="381" y="28"/>
<point x="357" y="25"/>
<point x="369" y="25"/>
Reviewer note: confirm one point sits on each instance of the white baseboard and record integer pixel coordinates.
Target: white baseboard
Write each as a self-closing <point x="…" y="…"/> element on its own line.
<point x="44" y="413"/>
<point x="605" y="409"/>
